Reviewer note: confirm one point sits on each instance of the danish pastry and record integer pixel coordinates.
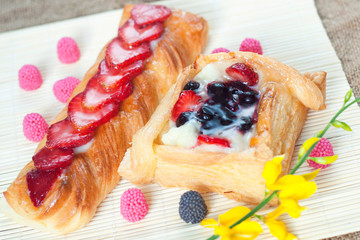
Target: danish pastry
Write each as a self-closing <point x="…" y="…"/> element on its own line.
<point x="227" y="114"/>
<point x="75" y="166"/>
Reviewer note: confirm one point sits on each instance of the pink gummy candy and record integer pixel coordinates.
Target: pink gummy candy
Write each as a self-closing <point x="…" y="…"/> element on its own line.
<point x="34" y="127"/>
<point x="68" y="50"/>
<point x="322" y="149"/>
<point x="218" y="50"/>
<point x="251" y="45"/>
<point x="63" y="88"/>
<point x="29" y="77"/>
<point x="133" y="206"/>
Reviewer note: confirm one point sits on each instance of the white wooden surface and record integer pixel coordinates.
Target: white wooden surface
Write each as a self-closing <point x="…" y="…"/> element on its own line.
<point x="289" y="30"/>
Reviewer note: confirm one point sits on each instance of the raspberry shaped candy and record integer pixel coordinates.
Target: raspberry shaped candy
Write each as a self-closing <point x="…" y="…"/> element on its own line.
<point x="251" y="45"/>
<point x="68" y="50"/>
<point x="218" y="50"/>
<point x="192" y="207"/>
<point x="29" y="77"/>
<point x="322" y="149"/>
<point x="63" y="88"/>
<point x="34" y="127"/>
<point x="133" y="205"/>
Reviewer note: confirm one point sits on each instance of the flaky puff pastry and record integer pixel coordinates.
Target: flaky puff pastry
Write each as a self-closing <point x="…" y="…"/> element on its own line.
<point x="286" y="96"/>
<point x="75" y="196"/>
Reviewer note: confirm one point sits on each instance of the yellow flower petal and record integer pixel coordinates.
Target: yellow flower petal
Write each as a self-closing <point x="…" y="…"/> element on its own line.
<point x="286" y="181"/>
<point x="209" y="223"/>
<point x="310" y="176"/>
<point x="324" y="160"/>
<point x="276" y="213"/>
<point x="292" y="207"/>
<point x="298" y="191"/>
<point x="224" y="232"/>
<point x="278" y="230"/>
<point x="233" y="215"/>
<point x="272" y="170"/>
<point x="246" y="230"/>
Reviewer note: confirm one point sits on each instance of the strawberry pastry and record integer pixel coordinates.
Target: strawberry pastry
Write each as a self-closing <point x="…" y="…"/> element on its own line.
<point x="75" y="165"/>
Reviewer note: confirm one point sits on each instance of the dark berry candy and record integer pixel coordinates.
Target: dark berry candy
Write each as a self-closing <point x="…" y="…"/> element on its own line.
<point x="183" y="118"/>
<point x="209" y="125"/>
<point x="192" y="207"/>
<point x="192" y="85"/>
<point x="217" y="90"/>
<point x="236" y="87"/>
<point x="246" y="123"/>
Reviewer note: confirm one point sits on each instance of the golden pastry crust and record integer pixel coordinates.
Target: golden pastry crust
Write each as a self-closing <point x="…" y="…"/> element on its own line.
<point x="286" y="96"/>
<point x="74" y="198"/>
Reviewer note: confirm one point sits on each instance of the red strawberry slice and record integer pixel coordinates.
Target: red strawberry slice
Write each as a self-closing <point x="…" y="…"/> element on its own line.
<point x="222" y="142"/>
<point x="84" y="119"/>
<point x="95" y="96"/>
<point x="47" y="159"/>
<point x="40" y="182"/>
<point x="111" y="79"/>
<point x="243" y="73"/>
<point x="118" y="55"/>
<point x="133" y="35"/>
<point x="63" y="135"/>
<point x="144" y="14"/>
<point x="188" y="101"/>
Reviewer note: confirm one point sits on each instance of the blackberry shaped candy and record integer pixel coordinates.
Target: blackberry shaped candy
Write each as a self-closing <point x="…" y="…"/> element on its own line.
<point x="192" y="207"/>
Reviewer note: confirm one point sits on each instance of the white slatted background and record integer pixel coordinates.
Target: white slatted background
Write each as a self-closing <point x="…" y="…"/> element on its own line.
<point x="289" y="30"/>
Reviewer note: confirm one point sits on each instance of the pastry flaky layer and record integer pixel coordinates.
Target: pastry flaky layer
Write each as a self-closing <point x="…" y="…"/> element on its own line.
<point x="73" y="200"/>
<point x="286" y="96"/>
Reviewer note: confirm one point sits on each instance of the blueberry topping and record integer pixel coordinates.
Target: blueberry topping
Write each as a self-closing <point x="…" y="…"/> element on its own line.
<point x="192" y="85"/>
<point x="183" y="118"/>
<point x="217" y="90"/>
<point x="223" y="108"/>
<point x="245" y="124"/>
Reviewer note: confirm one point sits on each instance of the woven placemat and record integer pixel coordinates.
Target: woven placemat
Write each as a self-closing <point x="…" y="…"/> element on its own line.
<point x="341" y="19"/>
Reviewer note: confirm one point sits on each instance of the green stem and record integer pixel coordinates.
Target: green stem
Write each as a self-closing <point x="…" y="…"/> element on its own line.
<point x="302" y="160"/>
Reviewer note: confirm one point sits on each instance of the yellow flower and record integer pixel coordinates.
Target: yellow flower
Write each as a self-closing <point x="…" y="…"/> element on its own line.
<point x="278" y="230"/>
<point x="295" y="187"/>
<point x="292" y="188"/>
<point x="244" y="231"/>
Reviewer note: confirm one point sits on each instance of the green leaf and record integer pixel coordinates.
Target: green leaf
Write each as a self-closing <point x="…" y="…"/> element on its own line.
<point x="347" y="96"/>
<point x="339" y="124"/>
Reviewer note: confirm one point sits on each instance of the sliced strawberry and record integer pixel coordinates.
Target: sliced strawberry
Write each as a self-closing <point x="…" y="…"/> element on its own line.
<point x="47" y="159"/>
<point x="133" y="35"/>
<point x="243" y="73"/>
<point x="84" y="119"/>
<point x="63" y="135"/>
<point x="222" y="142"/>
<point x="188" y="101"/>
<point x="144" y="14"/>
<point x="39" y="184"/>
<point x="95" y="96"/>
<point x="111" y="79"/>
<point x="118" y="55"/>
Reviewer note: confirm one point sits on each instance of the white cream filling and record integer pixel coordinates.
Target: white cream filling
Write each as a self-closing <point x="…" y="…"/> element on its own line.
<point x="185" y="135"/>
<point x="83" y="148"/>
